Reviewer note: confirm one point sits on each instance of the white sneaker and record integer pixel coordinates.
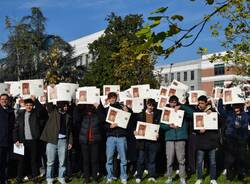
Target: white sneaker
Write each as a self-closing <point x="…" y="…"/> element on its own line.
<point x="177" y="172"/>
<point x="224" y="172"/>
<point x="182" y="181"/>
<point x="124" y="181"/>
<point x="213" y="182"/>
<point x="145" y="172"/>
<point x="199" y="181"/>
<point x="168" y="181"/>
<point x="137" y="180"/>
<point x="109" y="180"/>
<point x="151" y="179"/>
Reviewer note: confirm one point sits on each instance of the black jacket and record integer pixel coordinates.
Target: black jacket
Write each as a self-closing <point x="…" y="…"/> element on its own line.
<point x="140" y="143"/>
<point x="207" y="140"/>
<point x="37" y="120"/>
<point x="7" y="122"/>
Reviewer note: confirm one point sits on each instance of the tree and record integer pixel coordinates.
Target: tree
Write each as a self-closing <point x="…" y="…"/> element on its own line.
<point x="34" y="54"/>
<point x="235" y="27"/>
<point x="115" y="58"/>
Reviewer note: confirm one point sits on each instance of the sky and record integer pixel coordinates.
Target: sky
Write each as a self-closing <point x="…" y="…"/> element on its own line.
<point x="72" y="19"/>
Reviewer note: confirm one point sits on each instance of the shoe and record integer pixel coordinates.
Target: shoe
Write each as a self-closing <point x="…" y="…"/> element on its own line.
<point x="182" y="181"/>
<point x="151" y="179"/>
<point x="199" y="181"/>
<point x="109" y="180"/>
<point x="137" y="180"/>
<point x="169" y="181"/>
<point x="177" y="172"/>
<point x="224" y="172"/>
<point x="213" y="182"/>
<point x="124" y="181"/>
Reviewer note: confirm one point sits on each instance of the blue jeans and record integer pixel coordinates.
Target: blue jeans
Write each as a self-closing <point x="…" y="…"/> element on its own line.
<point x="119" y="144"/>
<point x="51" y="151"/>
<point x="212" y="163"/>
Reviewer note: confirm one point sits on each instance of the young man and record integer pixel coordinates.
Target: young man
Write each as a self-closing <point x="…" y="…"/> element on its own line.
<point x="175" y="138"/>
<point x="28" y="128"/>
<point x="58" y="135"/>
<point x="147" y="150"/>
<point x="235" y="142"/>
<point x="206" y="143"/>
<point x="7" y="121"/>
<point x="116" y="141"/>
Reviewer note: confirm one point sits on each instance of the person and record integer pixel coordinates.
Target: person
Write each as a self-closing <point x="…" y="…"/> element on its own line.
<point x="206" y="142"/>
<point x="7" y="121"/>
<point x="89" y="139"/>
<point x="147" y="149"/>
<point x="27" y="131"/>
<point x="58" y="135"/>
<point x="175" y="138"/>
<point x="116" y="141"/>
<point x="235" y="139"/>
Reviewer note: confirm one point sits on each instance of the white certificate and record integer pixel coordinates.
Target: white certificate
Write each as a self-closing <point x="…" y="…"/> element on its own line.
<point x="88" y="95"/>
<point x="13" y="88"/>
<point x="179" y="92"/>
<point x="3" y="88"/>
<point x="60" y="92"/>
<point x="178" y="84"/>
<point x="233" y="95"/>
<point x="163" y="101"/>
<point x="18" y="149"/>
<point x="123" y="95"/>
<point x="147" y="131"/>
<point x="218" y="93"/>
<point x="169" y="116"/>
<point x="136" y="104"/>
<point x="140" y="91"/>
<point x="118" y="116"/>
<point x="202" y="120"/>
<point x="154" y="94"/>
<point x="73" y="89"/>
<point x="111" y="88"/>
<point x="194" y="95"/>
<point x="31" y="87"/>
<point x="43" y="99"/>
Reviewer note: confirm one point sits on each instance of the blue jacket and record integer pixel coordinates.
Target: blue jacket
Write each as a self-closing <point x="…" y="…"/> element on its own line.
<point x="174" y="134"/>
<point x="231" y="130"/>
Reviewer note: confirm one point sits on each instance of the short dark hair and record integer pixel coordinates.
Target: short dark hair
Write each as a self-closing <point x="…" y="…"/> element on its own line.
<point x="150" y="101"/>
<point x="112" y="95"/>
<point x="203" y="98"/>
<point x="173" y="98"/>
<point x="28" y="101"/>
<point x="4" y="94"/>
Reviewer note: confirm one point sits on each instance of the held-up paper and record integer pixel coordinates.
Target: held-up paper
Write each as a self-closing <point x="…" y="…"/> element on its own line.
<point x="202" y="120"/>
<point x="88" y="95"/>
<point x="147" y="131"/>
<point x="118" y="116"/>
<point x="31" y="87"/>
<point x="233" y="95"/>
<point x="18" y="149"/>
<point x="140" y="91"/>
<point x="169" y="116"/>
<point x="136" y="104"/>
<point x="194" y="95"/>
<point x="110" y="88"/>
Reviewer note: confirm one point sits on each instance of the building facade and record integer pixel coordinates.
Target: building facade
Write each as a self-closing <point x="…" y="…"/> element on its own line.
<point x="199" y="74"/>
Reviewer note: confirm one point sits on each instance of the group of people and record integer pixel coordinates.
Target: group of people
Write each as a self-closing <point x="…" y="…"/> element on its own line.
<point x="65" y="138"/>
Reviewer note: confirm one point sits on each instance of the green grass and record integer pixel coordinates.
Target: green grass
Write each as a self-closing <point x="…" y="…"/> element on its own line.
<point x="161" y="180"/>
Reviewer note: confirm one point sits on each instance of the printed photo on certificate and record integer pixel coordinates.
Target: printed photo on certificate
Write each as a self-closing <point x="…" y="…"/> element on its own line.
<point x="118" y="116"/>
<point x="163" y="91"/>
<point x="217" y="93"/>
<point x="162" y="102"/>
<point x="169" y="116"/>
<point x="147" y="131"/>
<point x="202" y="120"/>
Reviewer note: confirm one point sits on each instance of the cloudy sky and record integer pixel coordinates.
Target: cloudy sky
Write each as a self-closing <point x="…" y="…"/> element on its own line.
<point x="72" y="19"/>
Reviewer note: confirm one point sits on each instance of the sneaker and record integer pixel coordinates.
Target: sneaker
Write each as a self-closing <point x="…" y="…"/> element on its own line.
<point x="137" y="180"/>
<point x="151" y="179"/>
<point x="109" y="180"/>
<point x="182" y="181"/>
<point x="199" y="181"/>
<point x="124" y="181"/>
<point x="177" y="172"/>
<point x="224" y="172"/>
<point x="168" y="181"/>
<point x="213" y="182"/>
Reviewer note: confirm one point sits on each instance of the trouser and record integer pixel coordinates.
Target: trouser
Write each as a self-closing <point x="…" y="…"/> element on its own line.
<point x="90" y="153"/>
<point x="212" y="162"/>
<point x="31" y="155"/>
<point x="191" y="151"/>
<point x="175" y="148"/>
<point x="3" y="164"/>
<point x="235" y="158"/>
<point x="147" y="157"/>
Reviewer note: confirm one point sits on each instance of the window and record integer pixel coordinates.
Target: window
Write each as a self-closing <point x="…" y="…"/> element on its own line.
<point x="172" y="77"/>
<point x="166" y="78"/>
<point x="178" y="76"/>
<point x="218" y="83"/>
<point x="191" y="87"/>
<point x="185" y="76"/>
<point x="219" y="69"/>
<point x="192" y="75"/>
